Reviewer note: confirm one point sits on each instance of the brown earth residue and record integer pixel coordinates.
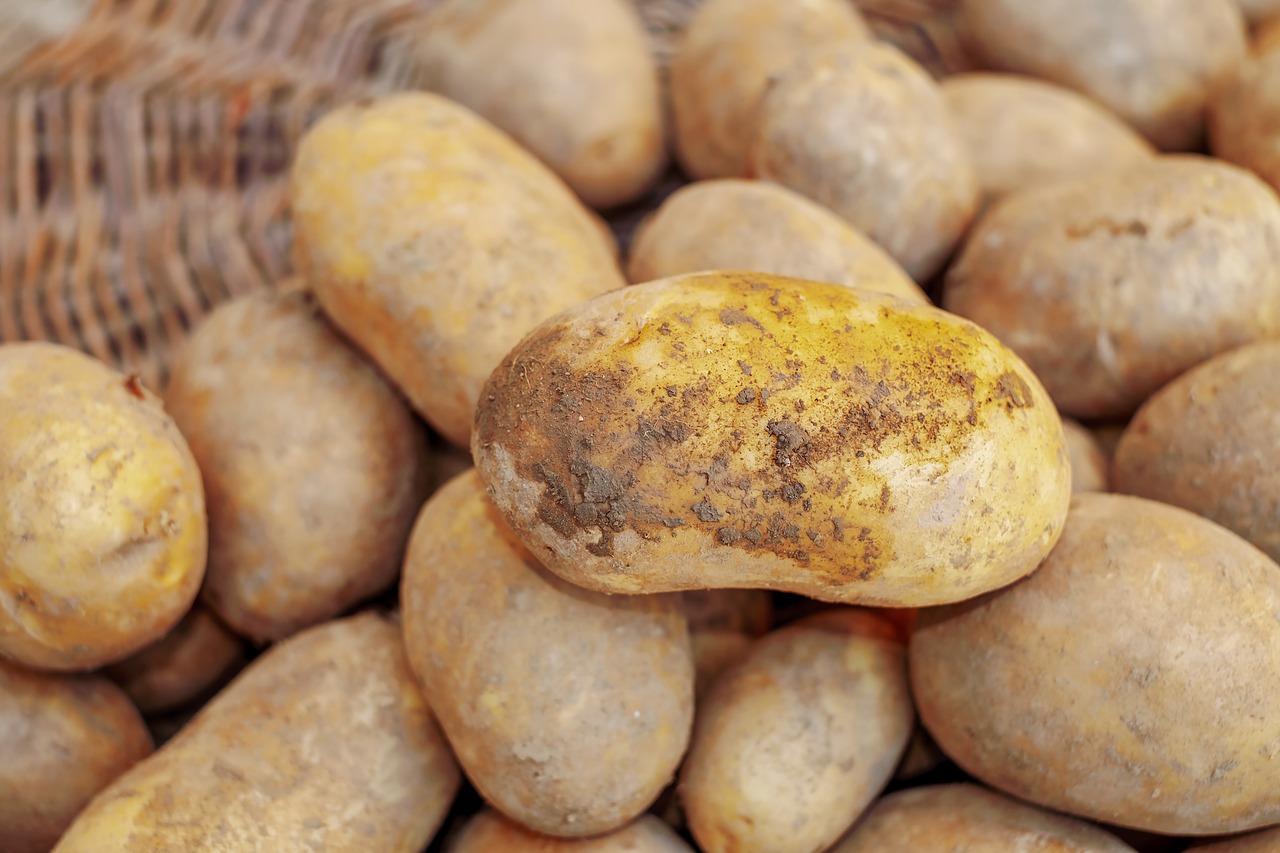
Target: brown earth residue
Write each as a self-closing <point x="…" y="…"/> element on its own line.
<point x="1013" y="391"/>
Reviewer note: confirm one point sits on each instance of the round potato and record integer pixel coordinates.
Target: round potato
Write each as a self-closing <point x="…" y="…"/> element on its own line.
<point x="1207" y="442"/>
<point x="568" y="710"/>
<point x="724" y="61"/>
<point x="743" y="430"/>
<point x="1154" y="62"/>
<point x="102" y="514"/>
<point x="1088" y="686"/>
<point x="1244" y="117"/>
<point x="793" y="742"/>
<point x="314" y="467"/>
<point x="865" y="132"/>
<point x="754" y="225"/>
<point x="322" y="743"/>
<point x="63" y="738"/>
<point x="575" y="84"/>
<point x="1021" y="132"/>
<point x="489" y="832"/>
<point x="1111" y="286"/>
<point x="1089" y="465"/>
<point x="973" y="819"/>
<point x="435" y="242"/>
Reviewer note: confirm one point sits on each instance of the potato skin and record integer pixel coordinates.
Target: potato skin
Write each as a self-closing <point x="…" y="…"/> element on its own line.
<point x="1088" y="686"/>
<point x="568" y="710"/>
<point x="324" y="742"/>
<point x="576" y="85"/>
<point x="489" y="832"/>
<point x="743" y="430"/>
<point x="1111" y="286"/>
<point x="313" y="465"/>
<point x="63" y="738"/>
<point x="1154" y="62"/>
<point x="1020" y="132"/>
<point x="1243" y="124"/>
<point x="969" y="818"/>
<point x="735" y="224"/>
<point x="794" y="741"/>
<point x="724" y="62"/>
<point x="434" y="242"/>
<point x="102" y="514"/>
<point x="1089" y="465"/>
<point x="1206" y="442"/>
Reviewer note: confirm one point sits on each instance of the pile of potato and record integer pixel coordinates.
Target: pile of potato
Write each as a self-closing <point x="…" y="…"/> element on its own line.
<point x="908" y="483"/>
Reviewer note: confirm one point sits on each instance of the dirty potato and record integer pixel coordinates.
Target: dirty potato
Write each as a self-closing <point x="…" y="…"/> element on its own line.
<point x="489" y="832"/>
<point x="743" y="430"/>
<point x="1089" y="465"/>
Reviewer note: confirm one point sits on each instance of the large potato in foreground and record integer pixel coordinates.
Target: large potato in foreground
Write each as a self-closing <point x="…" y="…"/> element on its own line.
<point x="489" y="832"/>
<point x="963" y="817"/>
<point x="1244" y="115"/>
<point x="1090" y="686"/>
<point x="434" y="242"/>
<point x="753" y="431"/>
<point x="574" y="83"/>
<point x="62" y="739"/>
<point x="323" y="743"/>
<point x="1154" y="62"/>
<point x="724" y="61"/>
<point x="102" y="515"/>
<point x="1207" y="442"/>
<point x="1111" y="286"/>
<point x="865" y="132"/>
<point x="763" y="227"/>
<point x="568" y="710"/>
<point x="314" y="466"/>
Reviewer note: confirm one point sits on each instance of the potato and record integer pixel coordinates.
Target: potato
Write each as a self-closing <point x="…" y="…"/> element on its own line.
<point x="575" y="84"/>
<point x="435" y="242"/>
<point x="1244" y="117"/>
<point x="102" y="517"/>
<point x="754" y="225"/>
<point x="1265" y="39"/>
<point x="749" y="611"/>
<point x="489" y="832"/>
<point x="1207" y="442"/>
<point x="743" y="430"/>
<point x="865" y="132"/>
<point x="725" y="59"/>
<point x="1154" y="62"/>
<point x="189" y="661"/>
<point x="322" y="743"/>
<point x="1265" y="841"/>
<point x="63" y="738"/>
<point x="1021" y="132"/>
<point x="793" y="742"/>
<point x="969" y="818"/>
<point x="314" y="466"/>
<point x="1089" y="464"/>
<point x="1089" y="686"/>
<point x="1111" y="286"/>
<point x="568" y="710"/>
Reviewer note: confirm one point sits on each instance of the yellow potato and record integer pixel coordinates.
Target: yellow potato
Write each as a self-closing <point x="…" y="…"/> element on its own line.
<point x="1089" y="686"/>
<point x="63" y="738"/>
<point x="102" y="516"/>
<point x="323" y="743"/>
<point x="489" y="832"/>
<point x="1089" y="465"/>
<point x="574" y="83"/>
<point x="763" y="227"/>
<point x="435" y="242"/>
<point x="743" y="430"/>
<point x="568" y="710"/>
<point x="314" y="466"/>
<point x="725" y="59"/>
<point x="1243" y="124"/>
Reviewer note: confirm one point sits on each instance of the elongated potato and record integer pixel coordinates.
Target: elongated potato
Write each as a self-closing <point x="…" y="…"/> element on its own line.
<point x="754" y="225"/>
<point x="1111" y="286"/>
<point x="1243" y="124"/>
<point x="574" y="83"/>
<point x="754" y="431"/>
<point x="1089" y="465"/>
<point x="102" y="515"/>
<point x="1207" y="442"/>
<point x="314" y="466"/>
<point x="724" y="61"/>
<point x="434" y="242"/>
<point x="1154" y="62"/>
<point x="63" y="738"/>
<point x="322" y="743"/>
<point x="568" y="710"/>
<point x="489" y="832"/>
<point x="1088" y="687"/>
<point x="973" y="819"/>
<point x="793" y="742"/>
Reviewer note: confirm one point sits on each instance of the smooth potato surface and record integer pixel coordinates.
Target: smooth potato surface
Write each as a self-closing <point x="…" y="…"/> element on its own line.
<point x="489" y="832"/>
